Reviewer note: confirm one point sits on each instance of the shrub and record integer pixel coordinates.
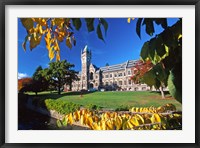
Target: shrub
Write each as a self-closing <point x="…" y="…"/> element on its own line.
<point x="92" y="107"/>
<point x="123" y="108"/>
<point x="60" y="106"/>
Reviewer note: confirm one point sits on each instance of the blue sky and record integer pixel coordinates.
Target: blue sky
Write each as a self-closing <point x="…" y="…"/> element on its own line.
<point x="121" y="44"/>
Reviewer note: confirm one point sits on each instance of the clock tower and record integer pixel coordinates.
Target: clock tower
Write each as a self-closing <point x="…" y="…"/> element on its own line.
<point x="85" y="60"/>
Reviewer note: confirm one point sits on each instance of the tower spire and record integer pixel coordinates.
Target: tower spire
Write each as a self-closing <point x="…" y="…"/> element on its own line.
<point x="85" y="49"/>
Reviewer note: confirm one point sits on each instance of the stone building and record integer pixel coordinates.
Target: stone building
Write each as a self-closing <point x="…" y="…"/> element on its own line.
<point x="113" y="77"/>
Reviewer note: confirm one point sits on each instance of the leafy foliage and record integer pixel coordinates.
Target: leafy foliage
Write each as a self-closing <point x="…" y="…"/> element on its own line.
<point x="140" y="69"/>
<point x="60" y="106"/>
<point x="59" y="73"/>
<point x="175" y="90"/>
<point x="164" y="51"/>
<point x="57" y="30"/>
<point x="139" y="120"/>
<point x="39" y="82"/>
<point x="92" y="107"/>
<point x="24" y="84"/>
<point x="123" y="108"/>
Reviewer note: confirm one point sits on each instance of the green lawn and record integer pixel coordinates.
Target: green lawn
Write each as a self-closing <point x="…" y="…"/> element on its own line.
<point x="112" y="100"/>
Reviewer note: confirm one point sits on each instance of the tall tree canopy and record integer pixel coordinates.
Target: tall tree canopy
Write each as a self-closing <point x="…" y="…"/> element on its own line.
<point x="24" y="84"/>
<point x="59" y="73"/>
<point x="39" y="82"/>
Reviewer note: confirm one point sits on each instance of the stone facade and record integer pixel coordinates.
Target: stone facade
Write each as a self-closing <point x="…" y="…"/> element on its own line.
<point x="113" y="77"/>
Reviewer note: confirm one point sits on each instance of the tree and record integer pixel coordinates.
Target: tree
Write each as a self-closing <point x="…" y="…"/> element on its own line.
<point x="24" y="84"/>
<point x="71" y="76"/>
<point x="165" y="52"/>
<point x="147" y="73"/>
<point x="56" y="30"/>
<point x="59" y="73"/>
<point x="39" y="82"/>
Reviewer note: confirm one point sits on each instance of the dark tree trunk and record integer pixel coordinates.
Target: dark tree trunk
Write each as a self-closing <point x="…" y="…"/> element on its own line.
<point x="58" y="86"/>
<point x="70" y="86"/>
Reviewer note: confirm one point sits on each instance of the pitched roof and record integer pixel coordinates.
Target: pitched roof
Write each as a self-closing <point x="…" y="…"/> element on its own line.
<point x="116" y="67"/>
<point x="122" y="66"/>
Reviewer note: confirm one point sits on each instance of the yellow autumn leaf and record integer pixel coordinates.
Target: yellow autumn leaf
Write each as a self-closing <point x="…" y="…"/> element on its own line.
<point x="134" y="121"/>
<point x="124" y="124"/>
<point x="75" y="114"/>
<point x="110" y="125"/>
<point x="82" y="119"/>
<point x="136" y="109"/>
<point x="90" y="122"/>
<point x="56" y="46"/>
<point x="180" y="36"/>
<point x="157" y="118"/>
<point x="59" y="22"/>
<point x="51" y="53"/>
<point x="27" y="23"/>
<point x="95" y="126"/>
<point x="118" y="122"/>
<point x="68" y="42"/>
<point x="35" y="40"/>
<point x="66" y="118"/>
<point x="60" y="38"/>
<point x="40" y="29"/>
<point x="70" y="118"/>
<point x="129" y="19"/>
<point x="83" y="111"/>
<point x="103" y="124"/>
<point x="133" y="109"/>
<point x="48" y="34"/>
<point x="129" y="125"/>
<point x="95" y="118"/>
<point x="43" y="21"/>
<point x="31" y="30"/>
<point x="139" y="118"/>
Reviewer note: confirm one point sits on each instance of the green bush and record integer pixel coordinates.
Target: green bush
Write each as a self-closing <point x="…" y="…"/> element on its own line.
<point x="123" y="108"/>
<point x="92" y="107"/>
<point x="60" y="106"/>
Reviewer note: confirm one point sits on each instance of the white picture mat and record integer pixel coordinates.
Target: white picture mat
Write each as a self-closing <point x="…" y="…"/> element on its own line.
<point x="13" y="135"/>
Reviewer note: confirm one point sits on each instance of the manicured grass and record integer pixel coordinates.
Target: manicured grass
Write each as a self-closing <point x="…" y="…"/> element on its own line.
<point x="114" y="99"/>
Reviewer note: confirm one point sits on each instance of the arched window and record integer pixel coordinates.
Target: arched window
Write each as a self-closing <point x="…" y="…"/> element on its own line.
<point x="91" y="76"/>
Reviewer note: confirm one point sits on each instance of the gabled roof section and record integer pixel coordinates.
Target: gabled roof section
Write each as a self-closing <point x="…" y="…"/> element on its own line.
<point x="131" y="63"/>
<point x="117" y="67"/>
<point x="94" y="66"/>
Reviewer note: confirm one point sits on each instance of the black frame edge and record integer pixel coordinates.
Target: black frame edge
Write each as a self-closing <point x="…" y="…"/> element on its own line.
<point x="2" y="74"/>
<point x="197" y="73"/>
<point x="101" y="2"/>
